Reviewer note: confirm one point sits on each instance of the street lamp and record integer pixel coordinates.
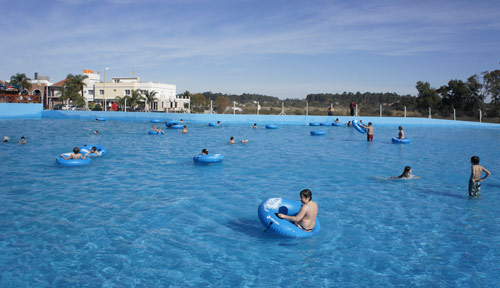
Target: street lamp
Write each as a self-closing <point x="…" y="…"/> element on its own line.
<point x="104" y="91"/>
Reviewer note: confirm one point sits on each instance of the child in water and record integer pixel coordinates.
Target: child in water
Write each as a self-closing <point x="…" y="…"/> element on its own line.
<point x="475" y="177"/>
<point x="254" y="126"/>
<point x="184" y="129"/>
<point x="157" y="130"/>
<point x="407" y="174"/>
<point x="75" y="155"/>
<point x="231" y="140"/>
<point x="401" y="134"/>
<point x="93" y="150"/>
<point x="23" y="140"/>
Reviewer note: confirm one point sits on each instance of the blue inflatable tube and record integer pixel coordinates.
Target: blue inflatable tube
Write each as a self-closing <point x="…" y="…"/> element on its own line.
<point x="271" y="126"/>
<point x="101" y="119"/>
<point x="318" y="133"/>
<point x="177" y="126"/>
<point x="207" y="159"/>
<point x="153" y="132"/>
<point x="283" y="227"/>
<point x="337" y="124"/>
<point x="71" y="162"/>
<point x="313" y="123"/>
<point x="324" y="124"/>
<point x="156" y="121"/>
<point x="213" y="124"/>
<point x="172" y="122"/>
<point x="86" y="148"/>
<point x="357" y="127"/>
<point x="401" y="141"/>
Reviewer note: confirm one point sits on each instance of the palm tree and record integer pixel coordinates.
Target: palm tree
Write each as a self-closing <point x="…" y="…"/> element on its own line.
<point x="121" y="101"/>
<point x="77" y="81"/>
<point x="150" y="97"/>
<point x="135" y="98"/>
<point x="21" y="80"/>
<point x="73" y="87"/>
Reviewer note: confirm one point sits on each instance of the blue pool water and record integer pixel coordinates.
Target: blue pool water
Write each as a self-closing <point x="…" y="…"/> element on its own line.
<point x="145" y="215"/>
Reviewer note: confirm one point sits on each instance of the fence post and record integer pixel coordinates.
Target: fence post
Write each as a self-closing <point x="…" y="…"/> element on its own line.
<point x="454" y="115"/>
<point x="380" y="110"/>
<point x="282" y="109"/>
<point x="234" y="107"/>
<point x="307" y="109"/>
<point x="258" y="107"/>
<point x="480" y="116"/>
<point x="356" y="112"/>
<point x="125" y="106"/>
<point x="429" y="113"/>
<point x="405" y="111"/>
<point x="211" y="109"/>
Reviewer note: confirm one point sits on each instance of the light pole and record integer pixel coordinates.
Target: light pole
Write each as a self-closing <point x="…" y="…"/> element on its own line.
<point x="104" y="91"/>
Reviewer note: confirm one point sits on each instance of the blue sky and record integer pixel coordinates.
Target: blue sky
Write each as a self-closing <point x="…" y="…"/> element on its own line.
<point x="279" y="48"/>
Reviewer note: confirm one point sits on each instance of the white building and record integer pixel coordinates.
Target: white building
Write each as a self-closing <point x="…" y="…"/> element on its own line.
<point x="167" y="100"/>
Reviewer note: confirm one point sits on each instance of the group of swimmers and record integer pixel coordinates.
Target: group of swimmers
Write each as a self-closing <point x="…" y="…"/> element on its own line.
<point x="7" y="139"/>
<point x="77" y="155"/>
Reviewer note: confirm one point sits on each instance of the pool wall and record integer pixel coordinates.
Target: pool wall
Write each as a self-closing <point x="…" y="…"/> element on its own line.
<point x="249" y="118"/>
<point x="20" y="110"/>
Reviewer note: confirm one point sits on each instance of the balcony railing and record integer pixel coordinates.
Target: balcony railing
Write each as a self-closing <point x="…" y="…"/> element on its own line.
<point x="6" y="98"/>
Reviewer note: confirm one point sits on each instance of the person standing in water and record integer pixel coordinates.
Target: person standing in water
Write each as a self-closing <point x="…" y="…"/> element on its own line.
<point x="475" y="177"/>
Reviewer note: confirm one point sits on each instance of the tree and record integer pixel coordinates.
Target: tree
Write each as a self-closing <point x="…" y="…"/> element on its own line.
<point x="150" y="97"/>
<point x="221" y="103"/>
<point x="21" y="80"/>
<point x="475" y="96"/>
<point x="427" y="96"/>
<point x="198" y="101"/>
<point x="73" y="88"/>
<point x="491" y="81"/>
<point x="135" y="98"/>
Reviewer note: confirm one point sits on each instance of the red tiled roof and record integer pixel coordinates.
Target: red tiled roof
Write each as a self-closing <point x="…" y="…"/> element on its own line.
<point x="60" y="83"/>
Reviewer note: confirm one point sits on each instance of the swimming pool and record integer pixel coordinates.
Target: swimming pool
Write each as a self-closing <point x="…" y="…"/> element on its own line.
<point x="145" y="215"/>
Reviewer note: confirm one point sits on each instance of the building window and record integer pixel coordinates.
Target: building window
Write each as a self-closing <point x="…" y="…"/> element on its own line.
<point x="91" y="92"/>
<point x="127" y="92"/>
<point x="101" y="92"/>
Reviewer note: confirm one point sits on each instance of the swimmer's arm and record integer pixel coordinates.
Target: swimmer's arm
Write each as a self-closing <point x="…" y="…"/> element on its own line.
<point x="487" y="173"/>
<point x="62" y="155"/>
<point x="88" y="154"/>
<point x="296" y="218"/>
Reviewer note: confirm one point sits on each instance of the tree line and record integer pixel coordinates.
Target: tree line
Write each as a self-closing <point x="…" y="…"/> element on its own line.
<point x="466" y="97"/>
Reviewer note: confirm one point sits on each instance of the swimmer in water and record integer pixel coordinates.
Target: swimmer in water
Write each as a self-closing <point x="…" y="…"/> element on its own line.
<point x="75" y="155"/>
<point x="407" y="174"/>
<point x="157" y="130"/>
<point x="475" y="177"/>
<point x="306" y="218"/>
<point x="254" y="126"/>
<point x="23" y="140"/>
<point x="204" y="152"/>
<point x="184" y="130"/>
<point x="401" y="134"/>
<point x="244" y="141"/>
<point x="231" y="140"/>
<point x="94" y="151"/>
<point x="96" y="132"/>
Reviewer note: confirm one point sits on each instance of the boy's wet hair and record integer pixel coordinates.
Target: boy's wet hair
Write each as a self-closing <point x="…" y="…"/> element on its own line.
<point x="94" y="148"/>
<point x="306" y="193"/>
<point x="76" y="150"/>
<point x="474" y="160"/>
<point x="204" y="151"/>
